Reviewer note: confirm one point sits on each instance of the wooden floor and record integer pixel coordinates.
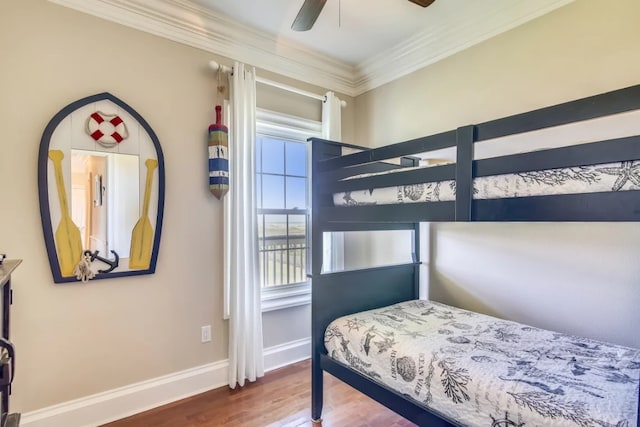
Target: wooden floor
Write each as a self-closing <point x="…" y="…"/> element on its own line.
<point x="282" y="398"/>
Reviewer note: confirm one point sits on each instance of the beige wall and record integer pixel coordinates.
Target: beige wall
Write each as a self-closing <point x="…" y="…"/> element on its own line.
<point x="578" y="278"/>
<point x="582" y="49"/>
<point x="271" y="98"/>
<point x="74" y="340"/>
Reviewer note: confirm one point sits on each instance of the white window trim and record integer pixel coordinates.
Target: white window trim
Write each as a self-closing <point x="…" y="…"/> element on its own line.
<point x="291" y="296"/>
<point x="285" y="126"/>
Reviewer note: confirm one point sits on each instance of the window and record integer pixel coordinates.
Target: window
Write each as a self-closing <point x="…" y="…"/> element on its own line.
<point x="284" y="208"/>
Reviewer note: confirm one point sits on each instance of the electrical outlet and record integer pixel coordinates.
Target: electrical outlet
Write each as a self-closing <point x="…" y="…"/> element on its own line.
<point x="205" y="333"/>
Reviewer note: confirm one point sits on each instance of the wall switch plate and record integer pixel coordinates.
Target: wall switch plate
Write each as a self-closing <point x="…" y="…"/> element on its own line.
<point x="205" y="333"/>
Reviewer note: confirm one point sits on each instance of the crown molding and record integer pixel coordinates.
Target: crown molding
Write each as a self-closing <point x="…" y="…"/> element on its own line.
<point x="443" y="40"/>
<point x="185" y="22"/>
<point x="190" y="24"/>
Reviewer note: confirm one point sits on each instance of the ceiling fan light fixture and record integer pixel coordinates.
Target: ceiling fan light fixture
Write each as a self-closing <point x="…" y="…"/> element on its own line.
<point x="307" y="15"/>
<point x="311" y="9"/>
<point x="423" y="3"/>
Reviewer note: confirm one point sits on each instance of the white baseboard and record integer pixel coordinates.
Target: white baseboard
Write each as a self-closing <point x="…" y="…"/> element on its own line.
<point x="285" y="354"/>
<point x="125" y="401"/>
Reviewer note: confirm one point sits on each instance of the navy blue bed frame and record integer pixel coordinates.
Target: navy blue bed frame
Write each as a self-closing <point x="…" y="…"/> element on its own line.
<point x="341" y="293"/>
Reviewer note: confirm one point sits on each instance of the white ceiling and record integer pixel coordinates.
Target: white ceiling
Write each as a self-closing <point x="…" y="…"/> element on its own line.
<point x="354" y="46"/>
<point x="351" y="31"/>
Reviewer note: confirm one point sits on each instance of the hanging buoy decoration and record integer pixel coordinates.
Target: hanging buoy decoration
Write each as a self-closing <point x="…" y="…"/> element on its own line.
<point x="218" y="156"/>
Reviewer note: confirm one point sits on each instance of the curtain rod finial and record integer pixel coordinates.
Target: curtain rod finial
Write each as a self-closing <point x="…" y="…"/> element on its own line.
<point x="215" y="66"/>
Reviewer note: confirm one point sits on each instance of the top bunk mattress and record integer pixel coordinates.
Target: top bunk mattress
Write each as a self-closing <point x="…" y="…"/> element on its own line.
<point x="484" y="371"/>
<point x="605" y="177"/>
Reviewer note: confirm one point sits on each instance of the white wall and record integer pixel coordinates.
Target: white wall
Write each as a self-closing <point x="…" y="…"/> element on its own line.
<point x="577" y="278"/>
<point x="76" y="340"/>
<point x="364" y="249"/>
<point x="571" y="277"/>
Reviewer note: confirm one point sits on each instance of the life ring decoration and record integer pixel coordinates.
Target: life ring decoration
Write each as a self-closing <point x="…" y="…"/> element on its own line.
<point x="107" y="130"/>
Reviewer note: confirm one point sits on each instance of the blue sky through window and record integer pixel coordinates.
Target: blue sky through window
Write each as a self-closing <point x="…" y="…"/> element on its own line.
<point x="282" y="174"/>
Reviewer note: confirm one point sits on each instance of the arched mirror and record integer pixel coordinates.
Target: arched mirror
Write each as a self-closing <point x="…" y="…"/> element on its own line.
<point x="101" y="185"/>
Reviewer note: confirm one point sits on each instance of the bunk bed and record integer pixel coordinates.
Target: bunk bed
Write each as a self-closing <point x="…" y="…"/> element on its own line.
<point x="460" y="191"/>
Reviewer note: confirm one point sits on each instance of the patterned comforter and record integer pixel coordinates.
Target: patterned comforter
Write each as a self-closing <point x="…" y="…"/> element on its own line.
<point x="483" y="371"/>
<point x="619" y="176"/>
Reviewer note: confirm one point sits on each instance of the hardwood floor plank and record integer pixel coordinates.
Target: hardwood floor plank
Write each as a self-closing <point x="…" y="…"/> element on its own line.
<point x="282" y="398"/>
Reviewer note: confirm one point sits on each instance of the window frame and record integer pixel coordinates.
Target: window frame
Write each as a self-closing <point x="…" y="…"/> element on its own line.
<point x="279" y="125"/>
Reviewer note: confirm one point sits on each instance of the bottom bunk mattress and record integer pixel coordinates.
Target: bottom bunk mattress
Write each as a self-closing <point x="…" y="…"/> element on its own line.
<point x="481" y="371"/>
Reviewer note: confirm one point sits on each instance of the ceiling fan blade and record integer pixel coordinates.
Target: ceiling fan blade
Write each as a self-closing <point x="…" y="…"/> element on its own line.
<point x="423" y="3"/>
<point x="307" y="15"/>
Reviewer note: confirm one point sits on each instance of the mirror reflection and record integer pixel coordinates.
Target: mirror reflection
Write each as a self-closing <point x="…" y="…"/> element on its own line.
<point x="104" y="204"/>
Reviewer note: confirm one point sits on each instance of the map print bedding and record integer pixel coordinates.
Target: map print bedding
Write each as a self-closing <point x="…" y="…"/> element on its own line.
<point x="484" y="371"/>
<point x="618" y="176"/>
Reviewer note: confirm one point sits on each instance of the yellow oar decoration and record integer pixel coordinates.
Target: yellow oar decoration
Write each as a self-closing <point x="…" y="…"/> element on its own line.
<point x="67" y="237"/>
<point x="142" y="234"/>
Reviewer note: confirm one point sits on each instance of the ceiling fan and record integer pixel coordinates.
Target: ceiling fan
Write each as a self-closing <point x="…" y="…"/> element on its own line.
<point x="311" y="9"/>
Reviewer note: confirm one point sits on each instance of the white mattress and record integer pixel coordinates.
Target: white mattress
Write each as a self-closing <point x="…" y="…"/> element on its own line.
<point x="483" y="371"/>
<point x="618" y="176"/>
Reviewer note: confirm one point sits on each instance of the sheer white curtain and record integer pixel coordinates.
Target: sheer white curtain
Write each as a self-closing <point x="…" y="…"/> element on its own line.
<point x="241" y="237"/>
<point x="332" y="117"/>
<point x="332" y="243"/>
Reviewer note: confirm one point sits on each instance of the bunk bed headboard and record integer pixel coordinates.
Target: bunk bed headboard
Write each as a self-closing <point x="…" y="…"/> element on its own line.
<point x="334" y="293"/>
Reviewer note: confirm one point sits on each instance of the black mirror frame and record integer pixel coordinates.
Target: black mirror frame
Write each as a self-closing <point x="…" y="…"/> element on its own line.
<point x="43" y="189"/>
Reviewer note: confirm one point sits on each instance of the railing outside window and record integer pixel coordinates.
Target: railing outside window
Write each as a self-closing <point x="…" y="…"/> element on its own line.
<point x="283" y="260"/>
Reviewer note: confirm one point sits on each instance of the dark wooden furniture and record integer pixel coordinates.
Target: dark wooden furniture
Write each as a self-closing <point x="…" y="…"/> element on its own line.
<point x="7" y="361"/>
<point x="340" y="293"/>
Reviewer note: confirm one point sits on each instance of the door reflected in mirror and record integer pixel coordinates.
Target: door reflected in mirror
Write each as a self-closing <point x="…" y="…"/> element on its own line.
<point x="105" y="201"/>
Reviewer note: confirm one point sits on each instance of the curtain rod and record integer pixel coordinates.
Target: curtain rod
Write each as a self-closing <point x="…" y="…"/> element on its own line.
<point x="219" y="67"/>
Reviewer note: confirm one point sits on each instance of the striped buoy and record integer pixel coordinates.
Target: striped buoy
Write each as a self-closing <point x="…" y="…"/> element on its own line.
<point x="106" y="129"/>
<point x="218" y="156"/>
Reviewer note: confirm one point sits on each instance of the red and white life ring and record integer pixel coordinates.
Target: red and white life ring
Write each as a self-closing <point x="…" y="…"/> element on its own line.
<point x="106" y="129"/>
